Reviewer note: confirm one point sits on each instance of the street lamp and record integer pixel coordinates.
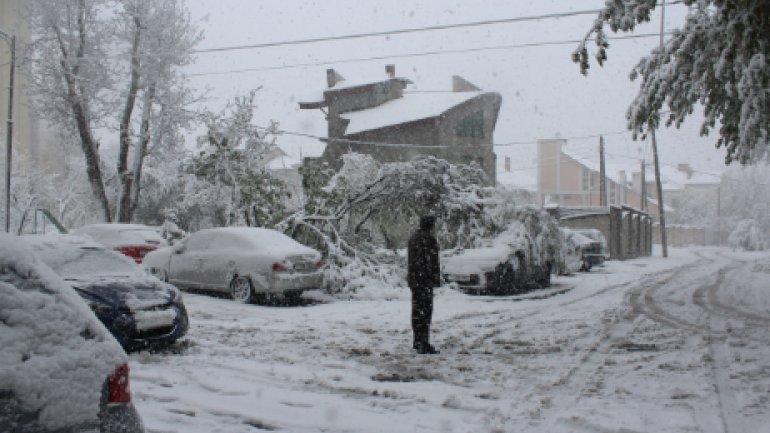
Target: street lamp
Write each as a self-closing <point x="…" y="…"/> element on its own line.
<point x="11" y="39"/>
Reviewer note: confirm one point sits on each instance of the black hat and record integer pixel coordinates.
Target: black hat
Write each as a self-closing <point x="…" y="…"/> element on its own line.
<point x="427" y="222"/>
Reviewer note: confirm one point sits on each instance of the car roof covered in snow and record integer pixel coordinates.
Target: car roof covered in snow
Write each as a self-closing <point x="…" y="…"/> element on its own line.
<point x="576" y="237"/>
<point x="252" y="238"/>
<point x="117" y="234"/>
<point x="78" y="257"/>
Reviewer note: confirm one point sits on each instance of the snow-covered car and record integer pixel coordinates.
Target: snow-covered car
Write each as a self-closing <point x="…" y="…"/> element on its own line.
<point x="60" y="370"/>
<point x="595" y="253"/>
<point x="249" y="263"/>
<point x="507" y="264"/>
<point x="138" y="309"/>
<point x="133" y="240"/>
<point x="494" y="270"/>
<point x="573" y="247"/>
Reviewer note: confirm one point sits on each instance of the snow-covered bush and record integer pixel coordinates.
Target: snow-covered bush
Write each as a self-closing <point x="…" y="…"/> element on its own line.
<point x="747" y="236"/>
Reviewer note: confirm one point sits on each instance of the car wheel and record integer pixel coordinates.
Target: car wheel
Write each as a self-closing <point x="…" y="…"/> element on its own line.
<point x="293" y="296"/>
<point x="241" y="290"/>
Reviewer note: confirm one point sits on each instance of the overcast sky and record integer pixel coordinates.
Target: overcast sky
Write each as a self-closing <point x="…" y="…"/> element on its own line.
<point x="544" y="95"/>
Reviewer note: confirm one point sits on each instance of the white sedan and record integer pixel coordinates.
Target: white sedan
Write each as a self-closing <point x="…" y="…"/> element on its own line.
<point x="247" y="262"/>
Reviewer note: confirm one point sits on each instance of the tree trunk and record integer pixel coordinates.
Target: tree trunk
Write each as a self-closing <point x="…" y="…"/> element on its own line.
<point x="79" y="109"/>
<point x="124" y="203"/>
<point x="141" y="148"/>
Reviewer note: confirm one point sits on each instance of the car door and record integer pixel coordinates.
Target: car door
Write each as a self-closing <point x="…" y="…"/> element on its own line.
<point x="185" y="261"/>
<point x="217" y="262"/>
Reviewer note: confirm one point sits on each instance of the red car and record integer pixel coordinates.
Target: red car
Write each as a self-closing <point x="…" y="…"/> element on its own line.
<point x="133" y="240"/>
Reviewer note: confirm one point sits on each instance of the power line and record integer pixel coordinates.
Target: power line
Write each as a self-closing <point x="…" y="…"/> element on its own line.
<point x="411" y="55"/>
<point x="400" y="31"/>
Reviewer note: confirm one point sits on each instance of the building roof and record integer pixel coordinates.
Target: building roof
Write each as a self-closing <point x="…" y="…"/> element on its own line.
<point x="318" y="99"/>
<point x="411" y="107"/>
<point x="293" y="150"/>
<point x="523" y="165"/>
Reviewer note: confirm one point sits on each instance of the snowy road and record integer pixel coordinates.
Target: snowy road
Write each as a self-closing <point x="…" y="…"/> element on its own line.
<point x="648" y="345"/>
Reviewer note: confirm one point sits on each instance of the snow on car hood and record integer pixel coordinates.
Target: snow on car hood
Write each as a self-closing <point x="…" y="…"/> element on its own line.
<point x="55" y="355"/>
<point x="475" y="260"/>
<point x="132" y="293"/>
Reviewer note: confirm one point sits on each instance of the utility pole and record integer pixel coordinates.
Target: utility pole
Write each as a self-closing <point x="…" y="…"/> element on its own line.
<point x="719" y="214"/>
<point x="661" y="205"/>
<point x="602" y="174"/>
<point x="643" y="176"/>
<point x="11" y="39"/>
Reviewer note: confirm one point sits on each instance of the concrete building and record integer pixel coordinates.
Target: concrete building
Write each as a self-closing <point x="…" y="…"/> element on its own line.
<point x="385" y="120"/>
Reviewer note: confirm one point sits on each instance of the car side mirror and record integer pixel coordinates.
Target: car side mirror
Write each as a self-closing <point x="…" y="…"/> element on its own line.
<point x="178" y="249"/>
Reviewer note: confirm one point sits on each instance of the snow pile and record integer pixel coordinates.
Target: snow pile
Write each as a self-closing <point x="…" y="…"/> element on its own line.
<point x="55" y="355"/>
<point x="747" y="236"/>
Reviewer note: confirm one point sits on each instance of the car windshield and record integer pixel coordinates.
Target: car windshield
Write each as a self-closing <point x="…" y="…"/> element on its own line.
<point x="86" y="262"/>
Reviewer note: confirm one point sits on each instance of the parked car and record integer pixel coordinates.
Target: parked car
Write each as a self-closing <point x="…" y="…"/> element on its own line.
<point x="508" y="264"/>
<point x="249" y="263"/>
<point x="574" y="258"/>
<point x="595" y="253"/>
<point x="133" y="240"/>
<point x="493" y="270"/>
<point x="61" y="371"/>
<point x="138" y="309"/>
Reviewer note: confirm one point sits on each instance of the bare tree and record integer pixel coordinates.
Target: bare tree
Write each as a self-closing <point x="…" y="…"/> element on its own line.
<point x="89" y="77"/>
<point x="162" y="37"/>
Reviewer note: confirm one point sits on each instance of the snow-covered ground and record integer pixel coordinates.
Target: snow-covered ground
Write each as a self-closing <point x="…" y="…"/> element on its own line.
<point x="648" y="345"/>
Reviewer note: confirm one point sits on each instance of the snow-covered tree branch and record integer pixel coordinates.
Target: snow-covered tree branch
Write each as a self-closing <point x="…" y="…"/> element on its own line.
<point x="718" y="59"/>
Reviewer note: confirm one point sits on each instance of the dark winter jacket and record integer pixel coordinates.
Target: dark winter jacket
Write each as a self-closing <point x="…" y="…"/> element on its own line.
<point x="423" y="263"/>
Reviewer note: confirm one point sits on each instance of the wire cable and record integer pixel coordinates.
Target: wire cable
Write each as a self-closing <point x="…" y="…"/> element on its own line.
<point x="412" y="55"/>
<point x="399" y="31"/>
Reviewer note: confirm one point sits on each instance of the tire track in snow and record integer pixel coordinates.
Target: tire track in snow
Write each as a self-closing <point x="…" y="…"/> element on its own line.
<point x="645" y="300"/>
<point x="515" y="318"/>
<point x="706" y="298"/>
<point x="719" y="351"/>
<point x="580" y="376"/>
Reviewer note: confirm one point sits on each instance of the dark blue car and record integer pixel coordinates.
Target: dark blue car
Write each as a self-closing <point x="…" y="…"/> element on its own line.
<point x="137" y="308"/>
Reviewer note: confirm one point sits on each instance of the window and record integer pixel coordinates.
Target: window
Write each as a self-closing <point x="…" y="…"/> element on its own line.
<point x="471" y="126"/>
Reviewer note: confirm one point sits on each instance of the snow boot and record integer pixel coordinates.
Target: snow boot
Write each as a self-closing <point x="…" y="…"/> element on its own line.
<point x="426" y="349"/>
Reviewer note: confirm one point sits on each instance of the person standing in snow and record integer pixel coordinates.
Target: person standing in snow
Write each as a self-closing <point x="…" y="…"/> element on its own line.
<point x="423" y="274"/>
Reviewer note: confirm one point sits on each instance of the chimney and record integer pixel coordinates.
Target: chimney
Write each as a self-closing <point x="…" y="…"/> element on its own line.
<point x="332" y="78"/>
<point x="685" y="168"/>
<point x="460" y="84"/>
<point x="390" y="71"/>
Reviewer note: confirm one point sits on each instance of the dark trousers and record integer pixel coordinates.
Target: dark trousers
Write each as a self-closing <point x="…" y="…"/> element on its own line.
<point x="422" y="312"/>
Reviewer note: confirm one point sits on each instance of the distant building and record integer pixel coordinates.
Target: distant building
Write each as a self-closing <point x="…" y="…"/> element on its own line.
<point x="565" y="181"/>
<point x="386" y="121"/>
<point x="284" y="163"/>
<point x="570" y="182"/>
